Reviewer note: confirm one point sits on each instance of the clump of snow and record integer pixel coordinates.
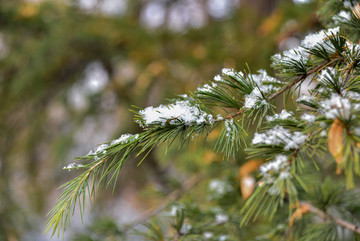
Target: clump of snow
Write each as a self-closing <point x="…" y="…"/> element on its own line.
<point x="274" y="171"/>
<point x="180" y="112"/>
<point x="207" y="88"/>
<point x="274" y="166"/>
<point x="264" y="84"/>
<point x="99" y="150"/>
<point x="280" y="136"/>
<point x="185" y="96"/>
<point x="229" y="126"/>
<point x="208" y="235"/>
<point x="284" y="115"/>
<point x="296" y="54"/>
<point x="219" y="188"/>
<point x="221" y="218"/>
<point x="353" y="95"/>
<point x="219" y="117"/>
<point x="223" y="237"/>
<point x="337" y="106"/>
<point x="73" y="166"/>
<point x="308" y="118"/>
<point x="310" y="41"/>
<point x="218" y="78"/>
<point x="327" y="74"/>
<point x="343" y="15"/>
<point x="125" y="138"/>
<point x="229" y="72"/>
<point x="185" y="228"/>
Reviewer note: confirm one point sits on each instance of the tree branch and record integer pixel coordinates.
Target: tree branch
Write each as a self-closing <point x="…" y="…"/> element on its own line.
<point x="338" y="221"/>
<point x="288" y="86"/>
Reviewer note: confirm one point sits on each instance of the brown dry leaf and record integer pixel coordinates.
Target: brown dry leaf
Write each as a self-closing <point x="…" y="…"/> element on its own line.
<point x="335" y="140"/>
<point x="249" y="167"/>
<point x="247" y="186"/>
<point x="303" y="209"/>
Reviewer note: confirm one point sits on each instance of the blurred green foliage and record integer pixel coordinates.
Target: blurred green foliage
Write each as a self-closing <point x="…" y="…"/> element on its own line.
<point x="47" y="51"/>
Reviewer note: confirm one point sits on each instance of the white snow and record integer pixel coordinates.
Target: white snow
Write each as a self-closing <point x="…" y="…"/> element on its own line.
<point x="207" y="88"/>
<point x="314" y="39"/>
<point x="185" y="228"/>
<point x="219" y="188"/>
<point x="280" y="136"/>
<point x="229" y="125"/>
<point x="125" y="138"/>
<point x="282" y="116"/>
<point x="274" y="171"/>
<point x="221" y="218"/>
<point x="223" y="237"/>
<point x="73" y="166"/>
<point x="310" y="41"/>
<point x="181" y="111"/>
<point x="229" y="72"/>
<point x="208" y="235"/>
<point x="336" y="106"/>
<point x="308" y="118"/>
<point x="275" y="166"/>
<point x="329" y="74"/>
<point x="264" y="84"/>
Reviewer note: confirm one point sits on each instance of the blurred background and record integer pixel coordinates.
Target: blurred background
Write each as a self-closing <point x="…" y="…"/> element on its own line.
<point x="70" y="70"/>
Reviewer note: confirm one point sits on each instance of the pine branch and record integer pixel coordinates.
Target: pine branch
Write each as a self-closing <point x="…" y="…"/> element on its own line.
<point x="288" y="86"/>
<point x="337" y="220"/>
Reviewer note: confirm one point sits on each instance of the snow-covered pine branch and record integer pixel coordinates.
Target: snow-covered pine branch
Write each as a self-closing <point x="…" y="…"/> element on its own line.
<point x="324" y="127"/>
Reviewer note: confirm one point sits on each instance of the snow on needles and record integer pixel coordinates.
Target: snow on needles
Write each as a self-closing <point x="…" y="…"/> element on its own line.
<point x="73" y="166"/>
<point x="123" y="139"/>
<point x="309" y="42"/>
<point x="282" y="116"/>
<point x="337" y="106"/>
<point x="179" y="112"/>
<point x="280" y="136"/>
<point x="275" y="171"/>
<point x="263" y="84"/>
<point x="274" y="166"/>
<point x="207" y="88"/>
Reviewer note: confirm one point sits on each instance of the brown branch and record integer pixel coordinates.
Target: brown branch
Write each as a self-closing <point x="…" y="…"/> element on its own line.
<point x="338" y="221"/>
<point x="175" y="195"/>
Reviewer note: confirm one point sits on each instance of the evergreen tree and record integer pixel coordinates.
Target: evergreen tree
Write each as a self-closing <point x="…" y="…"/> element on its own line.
<point x="300" y="180"/>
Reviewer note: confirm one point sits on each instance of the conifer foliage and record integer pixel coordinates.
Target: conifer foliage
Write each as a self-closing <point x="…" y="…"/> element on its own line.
<point x="307" y="161"/>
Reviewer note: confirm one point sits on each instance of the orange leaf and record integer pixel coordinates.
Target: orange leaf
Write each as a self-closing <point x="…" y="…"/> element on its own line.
<point x="304" y="208"/>
<point x="247" y="186"/>
<point x="249" y="167"/>
<point x="335" y="140"/>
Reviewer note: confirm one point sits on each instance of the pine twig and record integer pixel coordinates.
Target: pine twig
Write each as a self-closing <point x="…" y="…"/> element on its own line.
<point x="288" y="86"/>
<point x="338" y="221"/>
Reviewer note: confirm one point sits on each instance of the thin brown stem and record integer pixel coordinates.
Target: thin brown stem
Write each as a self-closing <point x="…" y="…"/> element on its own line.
<point x="337" y="220"/>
